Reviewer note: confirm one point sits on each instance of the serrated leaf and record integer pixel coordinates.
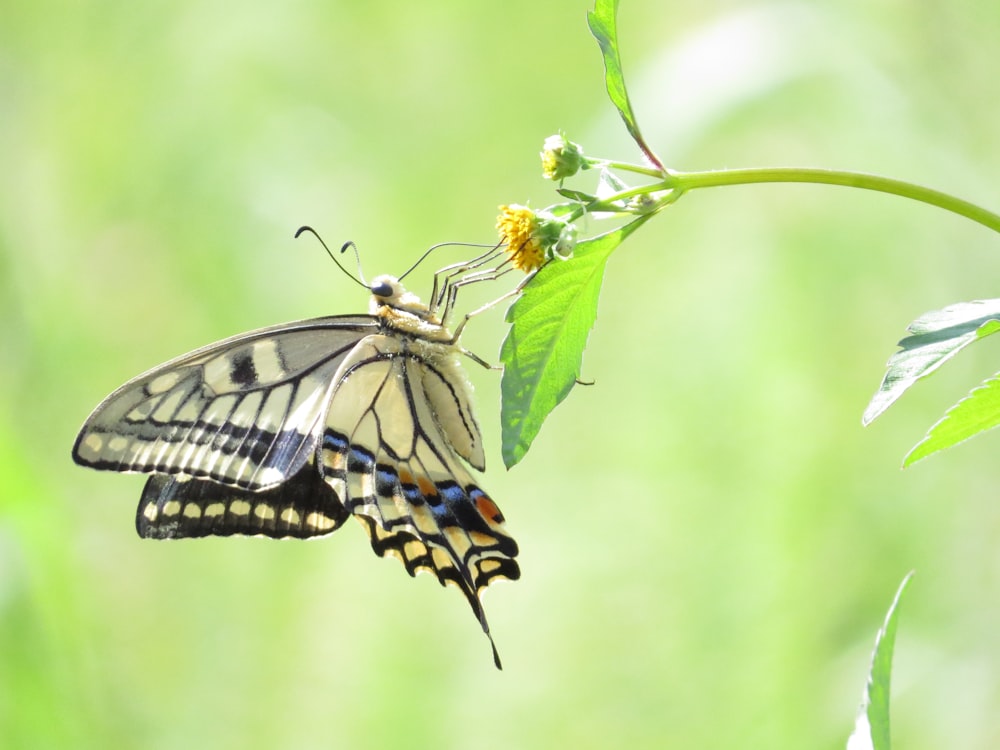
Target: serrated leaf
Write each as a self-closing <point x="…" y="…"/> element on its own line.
<point x="935" y="338"/>
<point x="871" y="729"/>
<point x="604" y="26"/>
<point x="543" y="351"/>
<point x="977" y="412"/>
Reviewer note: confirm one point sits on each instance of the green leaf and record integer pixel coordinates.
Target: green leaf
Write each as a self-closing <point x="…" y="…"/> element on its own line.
<point x="871" y="729"/>
<point x="977" y="412"/>
<point x="543" y="351"/>
<point x="604" y="26"/>
<point x="936" y="337"/>
<point x="576" y="195"/>
<point x="562" y="209"/>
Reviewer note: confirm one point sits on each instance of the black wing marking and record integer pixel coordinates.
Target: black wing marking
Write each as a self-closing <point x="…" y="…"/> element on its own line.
<point x="175" y="507"/>
<point x="246" y="412"/>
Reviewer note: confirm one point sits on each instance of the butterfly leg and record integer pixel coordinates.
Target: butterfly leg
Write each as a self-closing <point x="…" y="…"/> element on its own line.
<point x="444" y="278"/>
<point x="489" y="305"/>
<point x="479" y="360"/>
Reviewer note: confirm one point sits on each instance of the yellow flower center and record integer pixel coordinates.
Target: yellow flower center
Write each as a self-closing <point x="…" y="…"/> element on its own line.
<point x="517" y="225"/>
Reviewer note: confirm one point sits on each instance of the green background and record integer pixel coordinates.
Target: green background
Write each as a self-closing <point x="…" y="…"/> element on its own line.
<point x="709" y="538"/>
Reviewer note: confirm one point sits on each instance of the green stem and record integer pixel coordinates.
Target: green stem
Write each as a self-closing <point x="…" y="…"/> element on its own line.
<point x="608" y="202"/>
<point x="626" y="166"/>
<point x="684" y="181"/>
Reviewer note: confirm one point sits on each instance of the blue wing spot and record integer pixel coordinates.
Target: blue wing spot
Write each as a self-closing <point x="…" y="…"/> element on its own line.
<point x="335" y="442"/>
<point x="386" y="481"/>
<point x="452" y="493"/>
<point x="413" y="494"/>
<point x="361" y="461"/>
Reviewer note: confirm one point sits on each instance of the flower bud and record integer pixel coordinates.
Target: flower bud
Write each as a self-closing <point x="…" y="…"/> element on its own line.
<point x="561" y="158"/>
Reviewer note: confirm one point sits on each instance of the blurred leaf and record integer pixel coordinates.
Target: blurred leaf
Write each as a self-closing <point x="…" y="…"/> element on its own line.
<point x="871" y="729"/>
<point x="543" y="350"/>
<point x="610" y="183"/>
<point x="604" y="27"/>
<point x="936" y="337"/>
<point x="576" y="195"/>
<point x="977" y="412"/>
<point x="564" y="209"/>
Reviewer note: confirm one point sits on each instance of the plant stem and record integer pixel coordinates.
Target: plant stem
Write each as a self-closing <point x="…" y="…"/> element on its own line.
<point x="684" y="181"/>
<point x="608" y="202"/>
<point x="626" y="166"/>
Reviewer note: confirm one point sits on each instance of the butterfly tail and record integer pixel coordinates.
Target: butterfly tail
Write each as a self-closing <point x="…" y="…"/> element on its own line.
<point x="452" y="530"/>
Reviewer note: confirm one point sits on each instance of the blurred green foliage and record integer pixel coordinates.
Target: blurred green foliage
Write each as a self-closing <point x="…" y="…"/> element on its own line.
<point x="708" y="535"/>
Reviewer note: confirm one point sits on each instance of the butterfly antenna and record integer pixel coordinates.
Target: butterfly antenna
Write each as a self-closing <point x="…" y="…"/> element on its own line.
<point x="357" y="256"/>
<point x="347" y="273"/>
<point x="432" y="248"/>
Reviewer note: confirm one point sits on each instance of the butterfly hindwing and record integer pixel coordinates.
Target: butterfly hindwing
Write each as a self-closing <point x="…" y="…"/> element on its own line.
<point x="403" y="478"/>
<point x="175" y="507"/>
<point x="246" y="412"/>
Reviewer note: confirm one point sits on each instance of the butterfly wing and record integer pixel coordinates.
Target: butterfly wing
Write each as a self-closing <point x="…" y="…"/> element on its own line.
<point x="399" y="419"/>
<point x="175" y="507"/>
<point x="246" y="412"/>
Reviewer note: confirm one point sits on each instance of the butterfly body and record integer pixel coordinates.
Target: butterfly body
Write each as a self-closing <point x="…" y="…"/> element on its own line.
<point x="289" y="430"/>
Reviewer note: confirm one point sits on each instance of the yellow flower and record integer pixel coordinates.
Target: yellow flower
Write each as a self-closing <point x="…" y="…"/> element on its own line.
<point x="518" y="227"/>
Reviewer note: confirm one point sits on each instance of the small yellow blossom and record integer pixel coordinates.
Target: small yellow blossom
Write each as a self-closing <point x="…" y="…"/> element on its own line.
<point x="518" y="227"/>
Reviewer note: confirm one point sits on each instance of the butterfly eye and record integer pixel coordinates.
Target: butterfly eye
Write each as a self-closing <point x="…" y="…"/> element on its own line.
<point x="382" y="288"/>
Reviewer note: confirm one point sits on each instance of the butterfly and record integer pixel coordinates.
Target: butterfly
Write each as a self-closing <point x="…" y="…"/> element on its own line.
<point x="288" y="431"/>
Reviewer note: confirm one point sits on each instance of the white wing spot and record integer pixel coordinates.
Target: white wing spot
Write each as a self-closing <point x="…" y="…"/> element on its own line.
<point x="319" y="521"/>
<point x="171" y="508"/>
<point x="163" y="383"/>
<point x="215" y="373"/>
<point x="189" y="412"/>
<point x="246" y="412"/>
<point x="275" y="409"/>
<point x="214" y="510"/>
<point x="150" y="512"/>
<point x="92" y="445"/>
<point x="168" y="407"/>
<point x="267" y="361"/>
<point x="117" y="444"/>
<point x="264" y="512"/>
<point x="192" y="511"/>
<point x="140" y="412"/>
<point x="239" y="508"/>
<point x="291" y="517"/>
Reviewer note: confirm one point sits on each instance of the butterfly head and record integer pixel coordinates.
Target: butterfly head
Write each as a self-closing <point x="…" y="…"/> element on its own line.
<point x="390" y="299"/>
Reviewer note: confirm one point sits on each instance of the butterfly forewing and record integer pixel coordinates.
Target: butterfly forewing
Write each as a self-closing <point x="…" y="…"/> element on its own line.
<point x="246" y="412"/>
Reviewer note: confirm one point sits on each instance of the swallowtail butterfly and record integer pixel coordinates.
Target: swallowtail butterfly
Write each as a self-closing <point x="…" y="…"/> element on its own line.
<point x="289" y="430"/>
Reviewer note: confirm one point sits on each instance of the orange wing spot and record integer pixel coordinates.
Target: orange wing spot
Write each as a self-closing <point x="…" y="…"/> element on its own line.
<point x="405" y="477"/>
<point x="489" y="509"/>
<point x="426" y="487"/>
